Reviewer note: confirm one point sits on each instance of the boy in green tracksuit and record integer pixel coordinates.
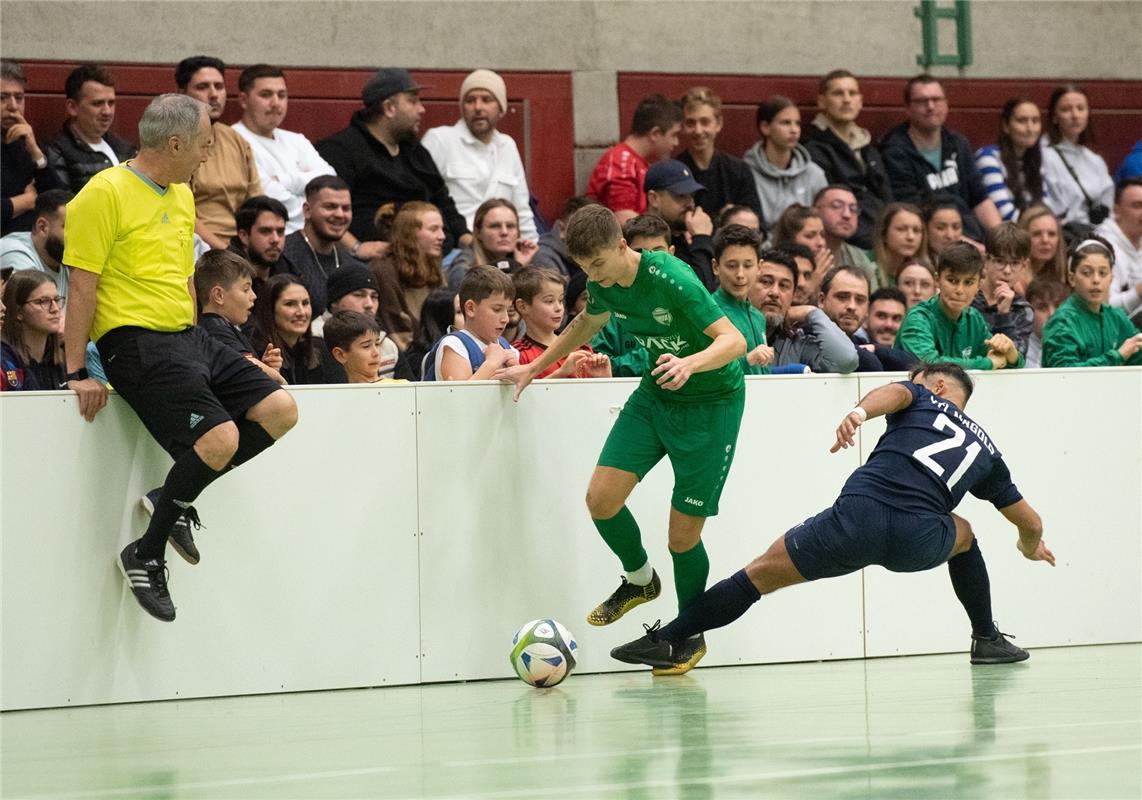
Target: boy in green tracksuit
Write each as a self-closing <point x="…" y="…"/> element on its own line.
<point x="1085" y="331"/>
<point x="947" y="328"/>
<point x="737" y="264"/>
<point x="688" y="407"/>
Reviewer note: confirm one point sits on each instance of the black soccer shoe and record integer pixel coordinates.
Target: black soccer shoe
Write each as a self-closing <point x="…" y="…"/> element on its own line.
<point x="996" y="649"/>
<point x="623" y="599"/>
<point x="686" y="656"/>
<point x="648" y="649"/>
<point x="181" y="537"/>
<point x="148" y="582"/>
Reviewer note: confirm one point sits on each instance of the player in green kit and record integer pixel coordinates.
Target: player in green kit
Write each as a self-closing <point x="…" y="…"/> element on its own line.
<point x="688" y="408"/>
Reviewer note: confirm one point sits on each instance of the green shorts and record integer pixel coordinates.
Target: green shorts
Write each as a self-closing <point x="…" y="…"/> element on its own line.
<point x="699" y="439"/>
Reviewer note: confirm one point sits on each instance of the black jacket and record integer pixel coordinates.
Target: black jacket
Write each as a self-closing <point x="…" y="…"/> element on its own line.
<point x="699" y="254"/>
<point x="728" y="182"/>
<point x="869" y="181"/>
<point x="914" y="181"/>
<point x="17" y="170"/>
<point x="375" y="177"/>
<point x="75" y="163"/>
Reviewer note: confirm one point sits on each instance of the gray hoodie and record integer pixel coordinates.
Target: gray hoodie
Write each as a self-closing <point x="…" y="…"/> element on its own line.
<point x="780" y="188"/>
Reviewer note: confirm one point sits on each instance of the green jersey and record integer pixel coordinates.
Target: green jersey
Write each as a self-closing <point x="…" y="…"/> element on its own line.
<point x="666" y="310"/>
<point x="928" y="334"/>
<point x="749" y="321"/>
<point x="1075" y="336"/>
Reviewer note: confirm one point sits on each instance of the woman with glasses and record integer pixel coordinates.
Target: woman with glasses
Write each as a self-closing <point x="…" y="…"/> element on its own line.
<point x="31" y="351"/>
<point x="1077" y="183"/>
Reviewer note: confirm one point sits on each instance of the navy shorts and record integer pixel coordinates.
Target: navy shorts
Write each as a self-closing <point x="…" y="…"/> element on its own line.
<point x="181" y="384"/>
<point x="858" y="531"/>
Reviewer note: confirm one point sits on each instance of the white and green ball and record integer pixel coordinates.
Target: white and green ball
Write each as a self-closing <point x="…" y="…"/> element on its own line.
<point x="543" y="653"/>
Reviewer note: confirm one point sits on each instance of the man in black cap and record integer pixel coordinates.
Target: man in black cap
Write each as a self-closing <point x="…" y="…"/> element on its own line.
<point x="670" y="188"/>
<point x="382" y="161"/>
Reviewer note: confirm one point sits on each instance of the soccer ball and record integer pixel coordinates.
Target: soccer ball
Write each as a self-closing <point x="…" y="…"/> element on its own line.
<point x="543" y="653"/>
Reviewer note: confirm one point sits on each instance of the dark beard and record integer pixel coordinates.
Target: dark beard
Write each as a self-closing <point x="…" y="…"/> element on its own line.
<point x="54" y="247"/>
<point x="260" y="263"/>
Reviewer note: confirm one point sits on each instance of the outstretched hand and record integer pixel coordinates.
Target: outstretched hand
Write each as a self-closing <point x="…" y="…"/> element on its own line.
<point x="846" y="432"/>
<point x="1040" y="553"/>
<point x="518" y="374"/>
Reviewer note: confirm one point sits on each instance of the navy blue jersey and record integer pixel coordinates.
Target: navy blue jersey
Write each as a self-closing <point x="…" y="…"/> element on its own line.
<point x="931" y="455"/>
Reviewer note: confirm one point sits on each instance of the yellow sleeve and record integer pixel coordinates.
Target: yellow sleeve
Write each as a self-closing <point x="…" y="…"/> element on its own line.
<point x="91" y="226"/>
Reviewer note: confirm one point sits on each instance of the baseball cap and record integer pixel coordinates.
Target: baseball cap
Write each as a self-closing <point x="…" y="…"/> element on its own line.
<point x="672" y="176"/>
<point x="385" y="83"/>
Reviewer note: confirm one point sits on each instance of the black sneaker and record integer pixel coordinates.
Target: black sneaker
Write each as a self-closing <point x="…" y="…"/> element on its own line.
<point x="686" y="656"/>
<point x="623" y="599"/>
<point x="648" y="649"/>
<point x="996" y="649"/>
<point x="148" y="582"/>
<point x="181" y="538"/>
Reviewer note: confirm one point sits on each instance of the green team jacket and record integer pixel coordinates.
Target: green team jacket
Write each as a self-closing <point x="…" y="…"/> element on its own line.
<point x="928" y="334"/>
<point x="1075" y="336"/>
<point x="749" y="321"/>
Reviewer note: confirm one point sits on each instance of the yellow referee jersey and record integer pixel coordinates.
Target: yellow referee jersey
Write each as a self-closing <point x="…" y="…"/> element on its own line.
<point x="139" y="238"/>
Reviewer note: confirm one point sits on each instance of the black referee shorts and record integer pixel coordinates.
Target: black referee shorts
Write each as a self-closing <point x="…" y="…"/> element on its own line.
<point x="181" y="384"/>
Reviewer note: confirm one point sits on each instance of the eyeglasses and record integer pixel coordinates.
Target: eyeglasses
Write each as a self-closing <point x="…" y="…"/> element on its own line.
<point x="841" y="205"/>
<point x="1005" y="265"/>
<point x="44" y="303"/>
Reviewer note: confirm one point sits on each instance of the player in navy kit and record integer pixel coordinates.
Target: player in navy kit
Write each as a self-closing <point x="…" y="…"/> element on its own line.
<point x="895" y="511"/>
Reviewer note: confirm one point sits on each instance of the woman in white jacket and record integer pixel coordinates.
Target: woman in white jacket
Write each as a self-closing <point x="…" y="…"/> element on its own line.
<point x="1076" y="183"/>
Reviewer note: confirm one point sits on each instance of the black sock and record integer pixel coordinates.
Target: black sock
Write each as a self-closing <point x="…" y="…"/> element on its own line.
<point x="973" y="588"/>
<point x="719" y="605"/>
<point x="185" y="481"/>
<point x="252" y="439"/>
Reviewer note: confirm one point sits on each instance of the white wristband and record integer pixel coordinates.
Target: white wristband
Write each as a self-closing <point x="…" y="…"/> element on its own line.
<point x="860" y="412"/>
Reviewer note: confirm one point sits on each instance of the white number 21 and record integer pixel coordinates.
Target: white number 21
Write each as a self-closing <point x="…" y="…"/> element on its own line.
<point x="924" y="454"/>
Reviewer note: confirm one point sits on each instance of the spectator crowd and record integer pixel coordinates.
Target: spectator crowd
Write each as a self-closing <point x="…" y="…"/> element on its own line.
<point x="382" y="254"/>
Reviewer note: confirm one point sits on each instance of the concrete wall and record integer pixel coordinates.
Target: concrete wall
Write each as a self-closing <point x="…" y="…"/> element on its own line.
<point x="1079" y="39"/>
<point x="592" y="40"/>
<point x="402" y="533"/>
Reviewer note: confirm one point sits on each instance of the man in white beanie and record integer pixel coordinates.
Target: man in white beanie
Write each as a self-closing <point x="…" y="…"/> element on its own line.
<point x="477" y="161"/>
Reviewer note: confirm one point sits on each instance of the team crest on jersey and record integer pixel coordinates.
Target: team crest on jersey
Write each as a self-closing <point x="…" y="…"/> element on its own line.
<point x="662" y="316"/>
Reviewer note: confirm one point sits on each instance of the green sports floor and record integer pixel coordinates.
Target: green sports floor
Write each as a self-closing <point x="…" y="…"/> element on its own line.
<point x="1066" y="724"/>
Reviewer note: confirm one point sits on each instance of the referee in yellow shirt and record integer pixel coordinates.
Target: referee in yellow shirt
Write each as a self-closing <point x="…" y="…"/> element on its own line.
<point x="130" y="249"/>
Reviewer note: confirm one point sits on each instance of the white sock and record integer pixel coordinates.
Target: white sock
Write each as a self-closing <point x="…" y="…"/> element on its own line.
<point x="641" y="576"/>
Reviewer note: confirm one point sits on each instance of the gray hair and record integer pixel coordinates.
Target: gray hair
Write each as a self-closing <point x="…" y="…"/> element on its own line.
<point x="169" y="115"/>
<point x="11" y="71"/>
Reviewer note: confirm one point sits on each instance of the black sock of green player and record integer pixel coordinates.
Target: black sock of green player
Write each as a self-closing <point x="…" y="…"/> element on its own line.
<point x="622" y="535"/>
<point x="252" y="439"/>
<point x="719" y="605"/>
<point x="691" y="569"/>
<point x="973" y="588"/>
<point x="184" y="483"/>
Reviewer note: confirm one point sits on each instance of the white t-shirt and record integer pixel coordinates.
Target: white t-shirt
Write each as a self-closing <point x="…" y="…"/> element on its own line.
<point x="453" y="343"/>
<point x="286" y="162"/>
<point x="106" y="150"/>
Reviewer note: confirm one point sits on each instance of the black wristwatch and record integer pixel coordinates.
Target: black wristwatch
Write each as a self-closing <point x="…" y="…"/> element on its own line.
<point x="79" y="375"/>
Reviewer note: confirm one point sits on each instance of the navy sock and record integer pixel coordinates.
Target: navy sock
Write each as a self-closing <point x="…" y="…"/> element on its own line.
<point x="185" y="481"/>
<point x="973" y="588"/>
<point x="719" y="605"/>
<point x="252" y="439"/>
